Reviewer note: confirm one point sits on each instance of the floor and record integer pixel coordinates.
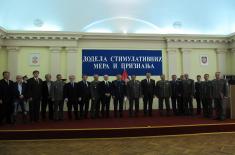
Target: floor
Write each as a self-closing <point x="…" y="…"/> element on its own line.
<point x="201" y="144"/>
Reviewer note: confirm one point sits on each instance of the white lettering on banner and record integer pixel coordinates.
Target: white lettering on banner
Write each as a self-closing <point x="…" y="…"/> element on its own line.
<point x="135" y="59"/>
<point x="137" y="66"/>
<point x="101" y="66"/>
<point x="122" y="59"/>
<point x="115" y="66"/>
<point x="94" y="59"/>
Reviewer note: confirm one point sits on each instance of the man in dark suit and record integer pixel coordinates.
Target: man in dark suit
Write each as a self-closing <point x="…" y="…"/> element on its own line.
<point x="148" y="90"/>
<point x="118" y="94"/>
<point x="6" y="98"/>
<point x="206" y="96"/>
<point x="133" y="94"/>
<point x="105" y="90"/>
<point x="34" y="88"/>
<point x="174" y="94"/>
<point x="163" y="92"/>
<point x="47" y="86"/>
<point x="71" y="95"/>
<point x="84" y="96"/>
<point x="197" y="96"/>
<point x="20" y="97"/>
<point x="188" y="94"/>
<point x="219" y="93"/>
<point x="180" y="101"/>
<point x="95" y="97"/>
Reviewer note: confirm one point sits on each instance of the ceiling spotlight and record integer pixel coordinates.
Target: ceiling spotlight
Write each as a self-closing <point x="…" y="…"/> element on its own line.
<point x="38" y="23"/>
<point x="177" y="25"/>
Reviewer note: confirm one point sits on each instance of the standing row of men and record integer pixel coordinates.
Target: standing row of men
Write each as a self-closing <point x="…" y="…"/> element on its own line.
<point x="77" y="95"/>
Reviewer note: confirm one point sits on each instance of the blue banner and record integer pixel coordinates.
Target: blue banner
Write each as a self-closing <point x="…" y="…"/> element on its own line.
<point x="113" y="62"/>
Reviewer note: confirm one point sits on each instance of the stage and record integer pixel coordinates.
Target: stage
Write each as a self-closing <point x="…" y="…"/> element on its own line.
<point x="115" y="127"/>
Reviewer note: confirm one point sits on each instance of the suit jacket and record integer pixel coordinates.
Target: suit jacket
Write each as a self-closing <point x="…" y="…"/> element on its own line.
<point x="148" y="89"/>
<point x="134" y="89"/>
<point x="23" y="91"/>
<point x="219" y="88"/>
<point x="188" y="88"/>
<point x="46" y="93"/>
<point x="34" y="88"/>
<point x="175" y="88"/>
<point x="57" y="90"/>
<point x="84" y="90"/>
<point x="206" y="89"/>
<point x="6" y="91"/>
<point x="118" y="89"/>
<point x="163" y="88"/>
<point x="105" y="88"/>
<point x="71" y="92"/>
<point x="198" y="86"/>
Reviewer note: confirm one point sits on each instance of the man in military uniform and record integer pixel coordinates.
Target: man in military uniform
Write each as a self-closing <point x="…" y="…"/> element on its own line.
<point x="188" y="93"/>
<point x="174" y="94"/>
<point x="163" y="92"/>
<point x="95" y="97"/>
<point x="133" y="94"/>
<point x="220" y="92"/>
<point x="118" y="94"/>
<point x="148" y="89"/>
<point x="206" y="96"/>
<point x="198" y="93"/>
<point x="57" y="98"/>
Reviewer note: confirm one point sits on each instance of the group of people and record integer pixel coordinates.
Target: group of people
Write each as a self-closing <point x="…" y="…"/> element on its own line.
<point x="92" y="99"/>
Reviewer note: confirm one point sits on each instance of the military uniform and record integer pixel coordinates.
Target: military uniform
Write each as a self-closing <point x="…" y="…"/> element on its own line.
<point x="133" y="94"/>
<point x="163" y="92"/>
<point x="219" y="91"/>
<point x="175" y="84"/>
<point x="187" y="94"/>
<point x="206" y="97"/>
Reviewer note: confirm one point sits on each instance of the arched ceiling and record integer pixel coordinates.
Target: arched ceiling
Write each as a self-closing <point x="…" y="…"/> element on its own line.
<point x="120" y="16"/>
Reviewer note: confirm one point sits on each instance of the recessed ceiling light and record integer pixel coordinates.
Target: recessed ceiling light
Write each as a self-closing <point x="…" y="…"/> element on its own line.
<point x="38" y="23"/>
<point x="177" y="25"/>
